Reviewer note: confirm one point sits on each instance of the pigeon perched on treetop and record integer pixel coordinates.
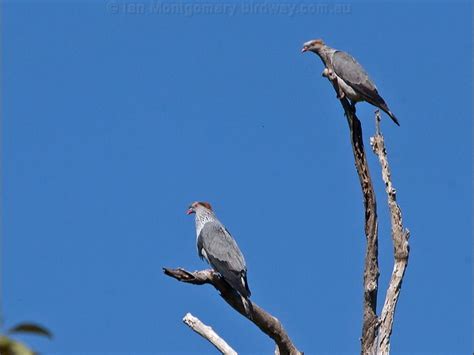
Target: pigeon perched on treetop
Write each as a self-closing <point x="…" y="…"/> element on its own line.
<point x="216" y="245"/>
<point x="352" y="79"/>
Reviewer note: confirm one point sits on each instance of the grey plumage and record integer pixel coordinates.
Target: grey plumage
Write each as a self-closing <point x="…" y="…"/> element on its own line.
<point x="353" y="80"/>
<point x="216" y="245"/>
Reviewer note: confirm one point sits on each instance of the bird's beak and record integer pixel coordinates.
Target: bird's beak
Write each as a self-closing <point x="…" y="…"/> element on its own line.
<point x="305" y="49"/>
<point x="190" y="211"/>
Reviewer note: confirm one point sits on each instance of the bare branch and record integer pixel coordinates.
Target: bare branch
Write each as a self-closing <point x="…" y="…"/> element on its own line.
<point x="265" y="321"/>
<point x="371" y="268"/>
<point x="400" y="237"/>
<point x="208" y="333"/>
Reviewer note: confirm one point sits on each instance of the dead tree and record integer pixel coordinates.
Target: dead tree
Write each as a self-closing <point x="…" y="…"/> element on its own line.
<point x="375" y="331"/>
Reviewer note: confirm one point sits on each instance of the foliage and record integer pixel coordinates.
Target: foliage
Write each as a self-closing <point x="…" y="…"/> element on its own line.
<point x="9" y="346"/>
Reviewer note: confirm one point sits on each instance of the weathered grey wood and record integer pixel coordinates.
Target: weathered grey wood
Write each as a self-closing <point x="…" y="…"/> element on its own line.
<point x="208" y="333"/>
<point x="401" y="248"/>
<point x="262" y="319"/>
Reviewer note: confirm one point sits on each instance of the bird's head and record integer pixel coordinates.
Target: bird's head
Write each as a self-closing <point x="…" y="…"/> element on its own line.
<point x="196" y="207"/>
<point x="314" y="45"/>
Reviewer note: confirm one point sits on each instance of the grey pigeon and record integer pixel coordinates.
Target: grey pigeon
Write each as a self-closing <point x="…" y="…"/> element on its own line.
<point x="352" y="79"/>
<point x="219" y="249"/>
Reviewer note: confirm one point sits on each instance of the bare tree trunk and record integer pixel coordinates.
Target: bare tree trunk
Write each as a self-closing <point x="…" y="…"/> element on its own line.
<point x="208" y="333"/>
<point x="371" y="267"/>
<point x="265" y="321"/>
<point x="401" y="248"/>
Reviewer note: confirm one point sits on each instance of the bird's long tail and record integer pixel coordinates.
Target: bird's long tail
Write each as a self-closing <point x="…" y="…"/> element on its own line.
<point x="392" y="116"/>
<point x="388" y="112"/>
<point x="380" y="103"/>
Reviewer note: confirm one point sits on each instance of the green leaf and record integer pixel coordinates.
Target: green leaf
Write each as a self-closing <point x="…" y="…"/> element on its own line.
<point x="31" y="328"/>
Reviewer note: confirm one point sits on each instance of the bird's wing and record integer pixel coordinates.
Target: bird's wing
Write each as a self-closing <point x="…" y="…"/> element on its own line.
<point x="222" y="252"/>
<point x="200" y="247"/>
<point x="349" y="70"/>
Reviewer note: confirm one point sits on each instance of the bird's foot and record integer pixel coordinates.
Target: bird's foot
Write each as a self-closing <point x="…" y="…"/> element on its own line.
<point x="329" y="73"/>
<point x="340" y="95"/>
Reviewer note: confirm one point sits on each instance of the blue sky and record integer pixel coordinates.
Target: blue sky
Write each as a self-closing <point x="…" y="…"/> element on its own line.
<point x="113" y="122"/>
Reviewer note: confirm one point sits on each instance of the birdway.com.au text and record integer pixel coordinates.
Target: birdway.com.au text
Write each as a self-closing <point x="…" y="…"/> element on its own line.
<point x="190" y="9"/>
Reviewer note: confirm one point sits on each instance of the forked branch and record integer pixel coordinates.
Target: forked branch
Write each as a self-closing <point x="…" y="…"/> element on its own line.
<point x="262" y="319"/>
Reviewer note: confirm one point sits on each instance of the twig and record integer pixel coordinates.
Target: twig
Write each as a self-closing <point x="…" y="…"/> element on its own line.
<point x="400" y="237"/>
<point x="371" y="268"/>
<point x="265" y="321"/>
<point x="208" y="333"/>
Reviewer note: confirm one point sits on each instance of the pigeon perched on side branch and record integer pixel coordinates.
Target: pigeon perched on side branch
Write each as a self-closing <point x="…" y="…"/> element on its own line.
<point x="352" y="79"/>
<point x="219" y="249"/>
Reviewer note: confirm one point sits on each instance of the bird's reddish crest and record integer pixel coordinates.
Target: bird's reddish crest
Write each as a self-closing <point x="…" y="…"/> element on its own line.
<point x="205" y="204"/>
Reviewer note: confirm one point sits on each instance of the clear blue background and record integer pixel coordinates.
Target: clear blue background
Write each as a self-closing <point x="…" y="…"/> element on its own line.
<point x="114" y="122"/>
